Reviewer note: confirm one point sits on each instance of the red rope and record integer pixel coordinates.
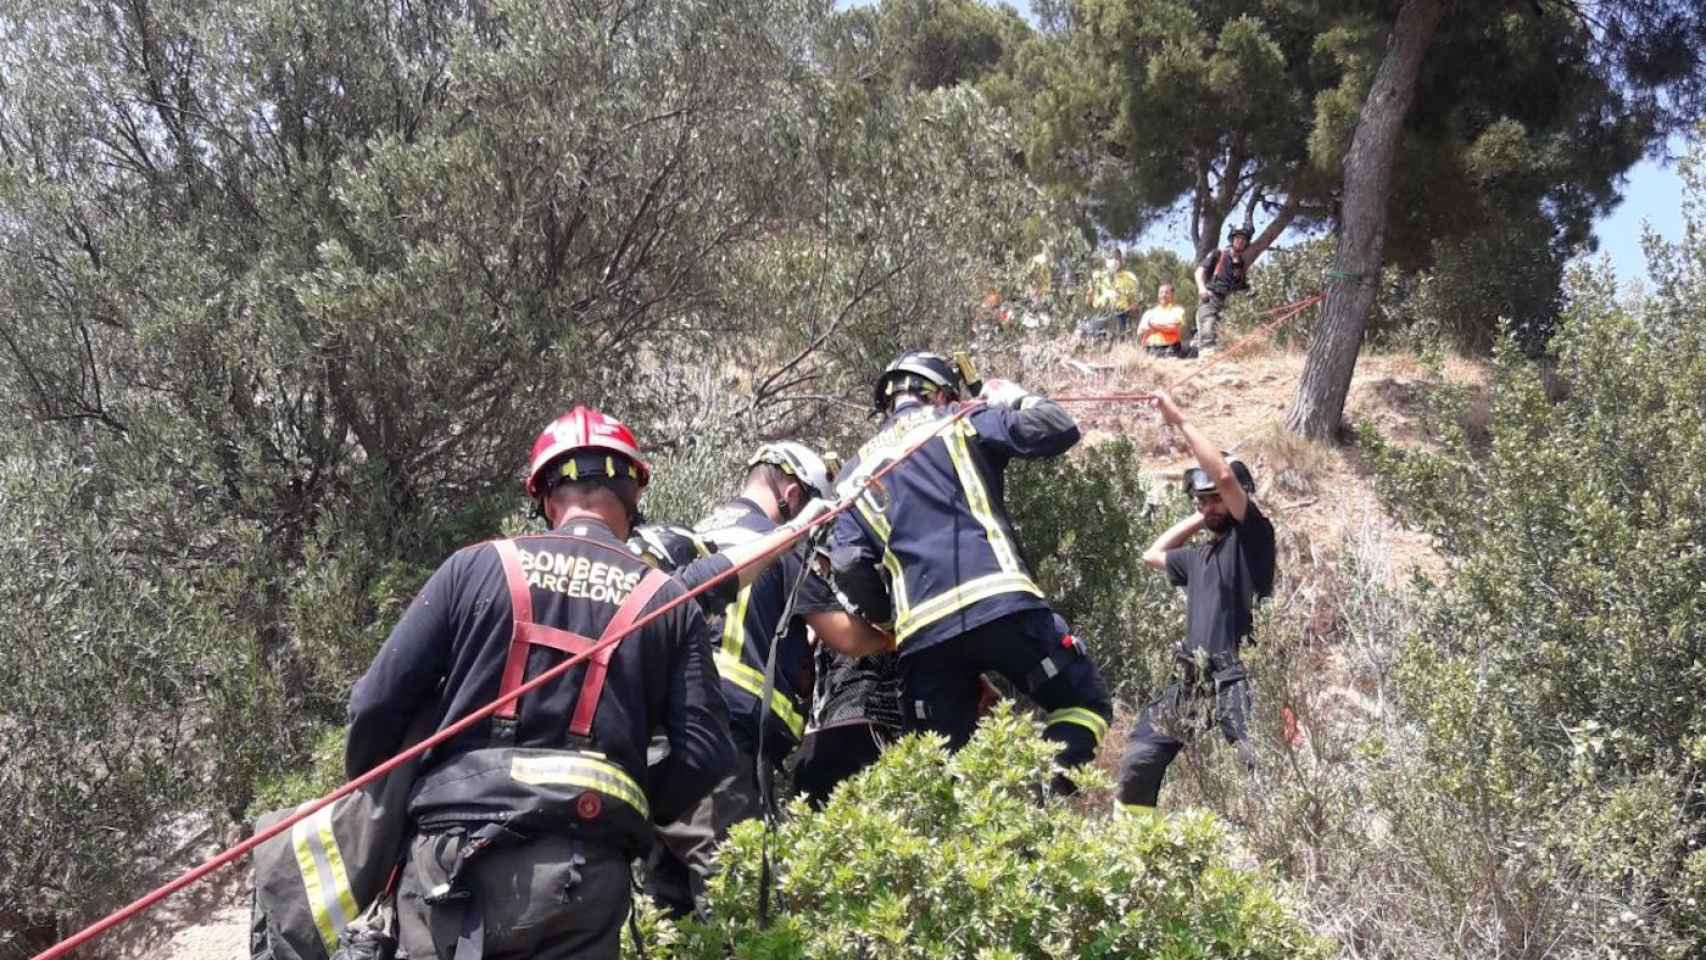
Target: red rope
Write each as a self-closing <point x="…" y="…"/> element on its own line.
<point x="117" y="917"/>
<point x="1285" y="313"/>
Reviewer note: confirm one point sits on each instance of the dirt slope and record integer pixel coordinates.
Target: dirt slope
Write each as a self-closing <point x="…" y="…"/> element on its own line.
<point x="1320" y="494"/>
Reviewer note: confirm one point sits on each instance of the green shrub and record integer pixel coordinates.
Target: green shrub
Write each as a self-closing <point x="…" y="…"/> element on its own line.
<point x="265" y="390"/>
<point x="320" y="774"/>
<point x="111" y="660"/>
<point x="1084" y="522"/>
<point x="1557" y="680"/>
<point x="929" y="854"/>
<point x="1509" y="274"/>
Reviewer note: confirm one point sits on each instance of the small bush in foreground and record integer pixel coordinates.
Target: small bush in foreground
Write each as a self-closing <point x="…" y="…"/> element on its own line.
<point x="929" y="854"/>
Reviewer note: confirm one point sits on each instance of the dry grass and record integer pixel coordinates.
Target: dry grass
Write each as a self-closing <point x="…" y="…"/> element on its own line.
<point x="1240" y="403"/>
<point x="1292" y="467"/>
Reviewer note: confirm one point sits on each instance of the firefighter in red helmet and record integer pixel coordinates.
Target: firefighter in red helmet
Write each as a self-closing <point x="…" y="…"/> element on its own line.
<point x="552" y="793"/>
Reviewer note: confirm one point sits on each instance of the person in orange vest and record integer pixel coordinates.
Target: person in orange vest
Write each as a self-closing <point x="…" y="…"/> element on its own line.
<point x="1162" y="325"/>
<point x="525" y="824"/>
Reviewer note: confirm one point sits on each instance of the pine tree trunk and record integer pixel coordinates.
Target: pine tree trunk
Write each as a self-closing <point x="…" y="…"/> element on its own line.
<point x="1318" y="407"/>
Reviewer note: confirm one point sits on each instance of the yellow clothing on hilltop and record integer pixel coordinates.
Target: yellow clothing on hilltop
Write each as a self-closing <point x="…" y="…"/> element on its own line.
<point x="1116" y="292"/>
<point x="1041" y="276"/>
<point x="1162" y="326"/>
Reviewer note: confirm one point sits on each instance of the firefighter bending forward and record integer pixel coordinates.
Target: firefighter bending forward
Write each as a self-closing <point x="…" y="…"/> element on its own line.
<point x="934" y="553"/>
<point x="525" y="825"/>
<point x="782" y="489"/>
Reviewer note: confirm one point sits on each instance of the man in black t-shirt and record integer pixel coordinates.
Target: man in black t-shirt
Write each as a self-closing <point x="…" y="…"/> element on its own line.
<point x="1222" y="580"/>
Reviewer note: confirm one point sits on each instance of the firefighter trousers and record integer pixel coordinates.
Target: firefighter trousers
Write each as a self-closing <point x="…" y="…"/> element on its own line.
<point x="829" y="756"/>
<point x="682" y="858"/>
<point x="550" y="897"/>
<point x="1035" y="652"/>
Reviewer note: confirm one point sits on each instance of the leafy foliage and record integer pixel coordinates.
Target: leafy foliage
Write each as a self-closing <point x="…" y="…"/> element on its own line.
<point x="290" y="287"/>
<point x="1477" y="285"/>
<point x="1557" y="679"/>
<point x="928" y="854"/>
<point x="1133" y="105"/>
<point x="925" y="44"/>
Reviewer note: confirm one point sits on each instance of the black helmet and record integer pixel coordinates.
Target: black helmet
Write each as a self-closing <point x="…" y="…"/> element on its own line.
<point x="916" y="372"/>
<point x="669" y="548"/>
<point x="1243" y="231"/>
<point x="1198" y="481"/>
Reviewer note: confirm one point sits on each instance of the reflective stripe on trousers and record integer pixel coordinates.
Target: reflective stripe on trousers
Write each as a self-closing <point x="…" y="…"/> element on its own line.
<point x="331" y="899"/>
<point x="587" y="770"/>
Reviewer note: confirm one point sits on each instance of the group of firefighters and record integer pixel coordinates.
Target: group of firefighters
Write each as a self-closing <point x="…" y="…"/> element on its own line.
<point x="524" y="827"/>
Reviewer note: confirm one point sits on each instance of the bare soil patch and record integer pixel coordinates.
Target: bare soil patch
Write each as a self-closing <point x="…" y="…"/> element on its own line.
<point x="1320" y="493"/>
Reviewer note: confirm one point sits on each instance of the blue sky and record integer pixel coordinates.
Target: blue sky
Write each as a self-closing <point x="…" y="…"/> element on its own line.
<point x="1653" y="194"/>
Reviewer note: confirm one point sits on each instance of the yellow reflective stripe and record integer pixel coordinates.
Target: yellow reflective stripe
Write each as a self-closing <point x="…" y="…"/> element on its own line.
<point x="734" y="623"/>
<point x="897" y="581"/>
<point x="879" y="523"/>
<point x="581" y="770"/>
<point x="909" y="428"/>
<point x="752" y="681"/>
<point x="977" y="498"/>
<point x="1088" y="719"/>
<point x="897" y="585"/>
<point x="335" y="860"/>
<point x="959" y="598"/>
<point x="323" y="902"/>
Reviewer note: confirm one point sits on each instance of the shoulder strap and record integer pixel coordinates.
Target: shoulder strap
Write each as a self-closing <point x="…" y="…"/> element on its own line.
<point x="521" y="617"/>
<point x="598" y="665"/>
<point x="1222" y="264"/>
<point x="526" y="634"/>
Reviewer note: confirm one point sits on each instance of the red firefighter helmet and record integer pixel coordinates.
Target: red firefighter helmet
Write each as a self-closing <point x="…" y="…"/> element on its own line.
<point x="584" y="430"/>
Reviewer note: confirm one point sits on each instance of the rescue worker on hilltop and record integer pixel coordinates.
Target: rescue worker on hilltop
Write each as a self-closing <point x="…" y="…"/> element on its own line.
<point x="1220" y="274"/>
<point x="934" y="555"/>
<point x="1162" y="324"/>
<point x="784" y="482"/>
<point x="1113" y="298"/>
<point x="525" y="824"/>
<point x="1221" y="579"/>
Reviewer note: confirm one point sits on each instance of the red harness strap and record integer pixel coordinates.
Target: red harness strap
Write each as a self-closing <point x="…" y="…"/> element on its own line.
<point x="528" y="634"/>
